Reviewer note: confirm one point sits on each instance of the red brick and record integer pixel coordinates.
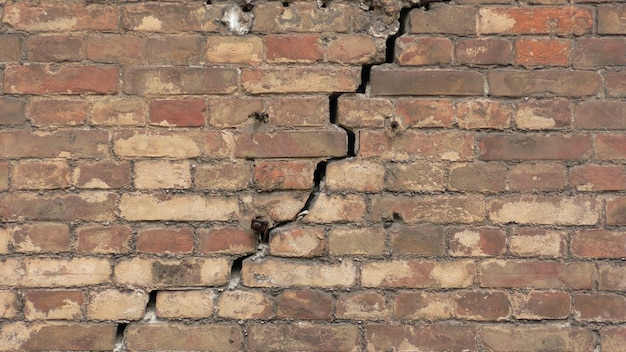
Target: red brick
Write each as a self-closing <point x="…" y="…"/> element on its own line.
<point x="462" y="209"/>
<point x="603" y="114"/>
<point x="424" y="305"/>
<point x="598" y="178"/>
<point x="305" y="304"/>
<point x="362" y="111"/>
<point x="180" y="80"/>
<point x="418" y="273"/>
<point x="230" y="49"/>
<point x="302" y="337"/>
<point x="234" y="111"/>
<point x="292" y="144"/>
<point x="89" y="174"/>
<point x="541" y="305"/>
<point x="599" y="244"/>
<point x="167" y="273"/>
<point x="535" y="20"/>
<point x="443" y="18"/>
<point x="416" y="176"/>
<point x="62" y="305"/>
<point x="543" y="114"/>
<point x="92" y="206"/>
<point x="536" y="274"/>
<point x="119" y="112"/>
<point x="12" y="111"/>
<point x="361" y="305"/>
<point x="535" y="147"/>
<point x="421" y="337"/>
<point x="612" y="277"/>
<point x="55" y="48"/>
<point x="420" y="51"/>
<point x="178" y="113"/>
<point x="40" y="237"/>
<point x="166" y="17"/>
<point x="612" y="338"/>
<point x="65" y="144"/>
<point x="611" y="19"/>
<point x="531" y="242"/>
<point x="42" y="79"/>
<point x="298" y="111"/>
<point x="393" y="81"/>
<point x="297" y="242"/>
<point x="104" y="239"/>
<point x="417" y="241"/>
<point x="313" y="79"/>
<point x="167" y="336"/>
<point x="123" y="49"/>
<point x="484" y="51"/>
<point x="48" y="112"/>
<point x="615" y="84"/>
<point x="10" y="45"/>
<point x="293" y="48"/>
<point x="592" y="52"/>
<point x="410" y="145"/>
<point x="552" y="83"/>
<point x="227" y="240"/>
<point x="171" y="144"/>
<point x="542" y="52"/>
<point x="483" y="305"/>
<point x="302" y="17"/>
<point x="599" y="307"/>
<point x="504" y="338"/>
<point x="537" y="176"/>
<point x="425" y="113"/>
<point x="610" y="146"/>
<point x="165" y="240"/>
<point x="477" y="242"/>
<point x="354" y="49"/>
<point x="482" y="113"/>
<point x="58" y="16"/>
<point x="225" y="175"/>
<point x="271" y="175"/>
<point x="37" y="174"/>
<point x="185" y="49"/>
<point x="478" y="177"/>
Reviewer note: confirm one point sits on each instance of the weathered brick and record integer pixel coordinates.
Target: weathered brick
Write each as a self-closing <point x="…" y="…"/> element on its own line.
<point x="421" y="51"/>
<point x="542" y="52"/>
<point x="227" y="240"/>
<point x="592" y="52"/>
<point x="478" y="177"/>
<point x="40" y="237"/>
<point x="612" y="338"/>
<point x="240" y="49"/>
<point x="292" y="144"/>
<point x="463" y="209"/>
<point x="611" y="19"/>
<point x="301" y="17"/>
<point x="180" y="80"/>
<point x="362" y="111"/>
<point x="234" y="111"/>
<point x="178" y="113"/>
<point x="354" y="49"/>
<point x="314" y="79"/>
<point x="225" y="175"/>
<point x="186" y="272"/>
<point x="411" y="145"/>
<point x="37" y="174"/>
<point x="615" y="84"/>
<point x="12" y="111"/>
<point x="482" y="113"/>
<point x="193" y="304"/>
<point x="386" y="80"/>
<point x="543" y="114"/>
<point x="244" y="305"/>
<point x="118" y="112"/>
<point x="52" y="112"/>
<point x="416" y="176"/>
<point x="536" y="274"/>
<point x="58" y="305"/>
<point x="165" y="240"/>
<point x="421" y="337"/>
<point x="542" y="83"/>
<point x="162" y="174"/>
<point x="88" y="174"/>
<point x="185" y="49"/>
<point x="566" y="20"/>
<point x="425" y="113"/>
<point x="55" y="48"/>
<point x="298" y="111"/>
<point x="362" y="305"/>
<point x="477" y="242"/>
<point x="537" y="176"/>
<point x="417" y="241"/>
<point x="599" y="244"/>
<point x="276" y="272"/>
<point x="166" y="17"/>
<point x="424" y="305"/>
<point x="56" y="144"/>
<point x="57" y="336"/>
<point x="444" y="19"/>
<point x="418" y="274"/>
<point x="610" y="147"/>
<point x="337" y="208"/>
<point x="92" y="206"/>
<point x="293" y="48"/>
<point x="4" y="175"/>
<point x="616" y="211"/>
<point x="483" y="305"/>
<point x="44" y="79"/>
<point x="304" y="304"/>
<point x="167" y="336"/>
<point x="302" y="337"/>
<point x="535" y="147"/>
<point x="529" y="242"/>
<point x="116" y="305"/>
<point x="11" y="50"/>
<point x="58" y="16"/>
<point x="184" y="144"/>
<point x="8" y="300"/>
<point x="355" y="175"/>
<point x="52" y="272"/>
<point x="297" y="242"/>
<point x="545" y="210"/>
<point x="599" y="307"/>
<point x="541" y="305"/>
<point x="598" y="178"/>
<point x="612" y="277"/>
<point x="104" y="239"/>
<point x="278" y="206"/>
<point x="536" y="338"/>
<point x="146" y="207"/>
<point x="274" y="175"/>
<point x="603" y="114"/>
<point x="113" y="48"/>
<point x="356" y="241"/>
<point x="484" y="51"/>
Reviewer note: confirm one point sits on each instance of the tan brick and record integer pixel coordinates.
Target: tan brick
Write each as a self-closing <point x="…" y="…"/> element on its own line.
<point x="118" y="112"/>
<point x="278" y="207"/>
<point x="302" y="337"/>
<point x="525" y="242"/>
<point x="297" y="242"/>
<point x="12" y="110"/>
<point x="298" y="111"/>
<point x="612" y="277"/>
<point x="162" y="174"/>
<point x="362" y="111"/>
<point x="304" y="304"/>
<point x="330" y="208"/>
<point x="356" y="241"/>
<point x="227" y="175"/>
<point x="227" y="240"/>
<point x="92" y="206"/>
<point x="128" y="144"/>
<point x="355" y="175"/>
<point x="464" y="209"/>
<point x="5" y="239"/>
<point x="362" y="305"/>
<point x="275" y="272"/>
<point x="545" y="210"/>
<point x="116" y="305"/>
<point x="477" y="242"/>
<point x="543" y="114"/>
<point x="387" y="81"/>
<point x="443" y="18"/>
<point x="167" y="336"/>
<point x="354" y="49"/>
<point x="52" y="272"/>
<point x="11" y="48"/>
<point x="541" y="305"/>
<point x="89" y="174"/>
<point x="536" y="274"/>
<point x="419" y="51"/>
<point x="532" y="338"/>
<point x="36" y="174"/>
<point x="8" y="301"/>
<point x="615" y="86"/>
<point x="301" y="17"/>
<point x="166" y="17"/>
<point x="416" y="176"/>
<point x="418" y="274"/>
<point x="240" y="49"/>
<point x="233" y="111"/>
<point x="180" y="80"/>
<point x="592" y="52"/>
<point x="192" y="304"/>
<point x="611" y="19"/>
<point x="104" y="239"/>
<point x="135" y="206"/>
<point x="187" y="272"/>
<point x="424" y="305"/>
<point x="55" y="17"/>
<point x="482" y="113"/>
<point x="423" y="337"/>
<point x="40" y="237"/>
<point x="54" y="144"/>
<point x="244" y="305"/>
<point x="4" y="175"/>
<point x="612" y="338"/>
<point x="301" y="79"/>
<point x="57" y="336"/>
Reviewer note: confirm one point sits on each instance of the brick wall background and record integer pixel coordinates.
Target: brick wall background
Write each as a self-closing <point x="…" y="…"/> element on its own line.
<point x="434" y="176"/>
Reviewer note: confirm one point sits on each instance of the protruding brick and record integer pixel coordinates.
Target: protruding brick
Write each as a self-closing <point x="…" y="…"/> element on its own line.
<point x="422" y="337"/>
<point x="293" y="48"/>
<point x="146" y="207"/>
<point x="542" y="83"/>
<point x="304" y="304"/>
<point x="297" y="242"/>
<point x="165" y="240"/>
<point x="543" y="114"/>
<point x="412" y="145"/>
<point x="536" y="274"/>
<point x="60" y="16"/>
<point x="192" y="304"/>
<point x="187" y="272"/>
<point x="477" y="242"/>
<point x="167" y="336"/>
<point x="104" y="239"/>
<point x="227" y="175"/>
<point x="537" y="176"/>
<point x="355" y="175"/>
<point x="272" y="175"/>
<point x="418" y="274"/>
<point x="58" y="305"/>
<point x="37" y="174"/>
<point x="40" y="237"/>
<point x="292" y="144"/>
<point x="55" y="48"/>
<point x="274" y="272"/>
<point x="116" y="305"/>
<point x="599" y="307"/>
<point x="421" y="51"/>
<point x="545" y="210"/>
<point x="180" y="80"/>
<point x="244" y="305"/>
<point x="529" y="242"/>
<point x="541" y="305"/>
<point x="314" y="79"/>
<point x="362" y="305"/>
<point x="534" y="338"/>
<point x="234" y="49"/>
<point x="387" y="81"/>
<point x="89" y="174"/>
<point x="535" y="20"/>
<point x="302" y="337"/>
<point x="92" y="206"/>
<point x="416" y="176"/>
<point x="535" y="147"/>
<point x="178" y="113"/>
<point x="356" y="241"/>
<point x="162" y="174"/>
<point x="227" y="240"/>
<point x="444" y="19"/>
<point x="43" y="79"/>
<point x="463" y="209"/>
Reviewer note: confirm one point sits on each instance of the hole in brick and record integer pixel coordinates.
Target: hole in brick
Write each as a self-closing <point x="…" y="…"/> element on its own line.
<point x="394" y="125"/>
<point x="208" y="2"/>
<point x="285" y="4"/>
<point x="247" y="5"/>
<point x="260" y="117"/>
<point x="260" y="228"/>
<point x="322" y="3"/>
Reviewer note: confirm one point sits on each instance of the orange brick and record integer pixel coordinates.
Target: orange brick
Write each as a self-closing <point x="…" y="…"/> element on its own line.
<point x="165" y="240"/>
<point x="293" y="48"/>
<point x="542" y="52"/>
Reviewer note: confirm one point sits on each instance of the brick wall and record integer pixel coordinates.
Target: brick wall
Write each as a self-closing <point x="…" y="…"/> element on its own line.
<point x="421" y="176"/>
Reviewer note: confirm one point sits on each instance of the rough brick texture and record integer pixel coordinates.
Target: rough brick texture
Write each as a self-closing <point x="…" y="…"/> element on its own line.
<point x="332" y="175"/>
